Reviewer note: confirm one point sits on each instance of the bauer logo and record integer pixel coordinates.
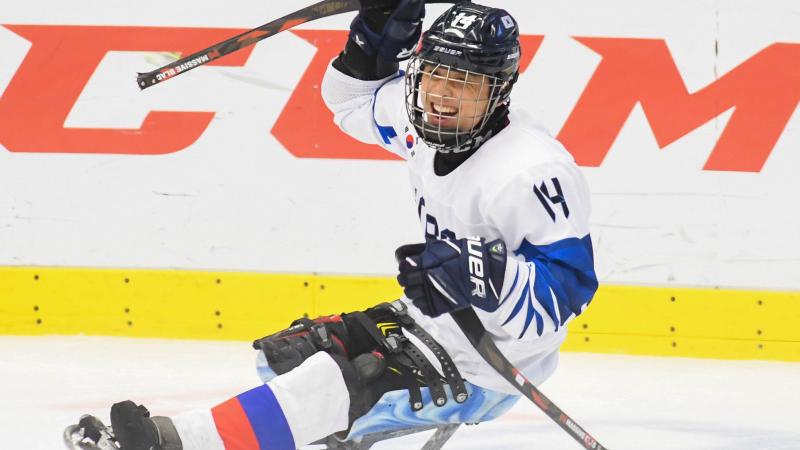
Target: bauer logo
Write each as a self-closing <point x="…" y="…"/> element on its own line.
<point x="475" y="250"/>
<point x="448" y="51"/>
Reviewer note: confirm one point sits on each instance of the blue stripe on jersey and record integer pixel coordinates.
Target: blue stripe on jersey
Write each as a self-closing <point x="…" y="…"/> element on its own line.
<point x="530" y="312"/>
<point x="566" y="267"/>
<point x="267" y="419"/>
<point x="386" y="132"/>
<point x="539" y="325"/>
<point x="541" y="290"/>
<point x="528" y="317"/>
<point x="520" y="302"/>
<point x="525" y="299"/>
<point x="513" y="285"/>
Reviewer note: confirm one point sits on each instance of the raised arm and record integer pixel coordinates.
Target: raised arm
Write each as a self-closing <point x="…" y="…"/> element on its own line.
<point x="363" y="86"/>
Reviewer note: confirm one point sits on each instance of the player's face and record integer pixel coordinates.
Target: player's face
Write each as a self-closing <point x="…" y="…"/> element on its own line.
<point x="453" y="99"/>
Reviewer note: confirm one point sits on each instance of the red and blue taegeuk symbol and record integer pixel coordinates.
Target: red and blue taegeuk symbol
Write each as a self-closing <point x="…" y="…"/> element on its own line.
<point x="409" y="141"/>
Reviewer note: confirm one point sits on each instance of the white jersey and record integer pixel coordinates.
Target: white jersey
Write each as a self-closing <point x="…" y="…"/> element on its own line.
<point x="521" y="186"/>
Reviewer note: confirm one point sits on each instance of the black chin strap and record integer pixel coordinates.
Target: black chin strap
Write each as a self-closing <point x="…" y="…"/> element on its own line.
<point x="444" y="163"/>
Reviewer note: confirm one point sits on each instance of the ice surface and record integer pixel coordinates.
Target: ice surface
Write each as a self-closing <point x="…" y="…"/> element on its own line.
<point x="626" y="402"/>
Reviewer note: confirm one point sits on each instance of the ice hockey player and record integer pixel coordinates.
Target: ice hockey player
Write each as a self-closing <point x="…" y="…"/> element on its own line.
<point x="504" y="210"/>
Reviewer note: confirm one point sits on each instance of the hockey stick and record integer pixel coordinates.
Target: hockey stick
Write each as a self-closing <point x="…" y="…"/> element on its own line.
<point x="472" y="327"/>
<point x="316" y="11"/>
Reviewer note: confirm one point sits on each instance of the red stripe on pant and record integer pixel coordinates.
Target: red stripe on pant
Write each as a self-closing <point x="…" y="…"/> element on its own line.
<point x="234" y="427"/>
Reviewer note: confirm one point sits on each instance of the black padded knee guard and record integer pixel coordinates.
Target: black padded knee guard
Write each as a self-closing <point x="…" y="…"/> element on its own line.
<point x="288" y="349"/>
<point x="364" y="344"/>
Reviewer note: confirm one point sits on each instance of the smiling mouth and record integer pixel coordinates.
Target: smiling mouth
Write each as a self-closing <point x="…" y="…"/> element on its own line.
<point x="444" y="111"/>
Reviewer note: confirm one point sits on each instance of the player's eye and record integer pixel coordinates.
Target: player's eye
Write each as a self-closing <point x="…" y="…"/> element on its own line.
<point x="456" y="75"/>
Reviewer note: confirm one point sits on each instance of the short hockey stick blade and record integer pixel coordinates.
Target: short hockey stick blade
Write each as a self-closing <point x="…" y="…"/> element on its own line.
<point x="472" y="327"/>
<point x="316" y="11"/>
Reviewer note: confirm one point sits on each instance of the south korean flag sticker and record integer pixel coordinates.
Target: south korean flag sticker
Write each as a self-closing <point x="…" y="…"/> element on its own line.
<point x="410" y="141"/>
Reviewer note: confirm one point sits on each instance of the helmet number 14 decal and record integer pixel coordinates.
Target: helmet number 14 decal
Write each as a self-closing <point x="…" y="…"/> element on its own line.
<point x="463" y="20"/>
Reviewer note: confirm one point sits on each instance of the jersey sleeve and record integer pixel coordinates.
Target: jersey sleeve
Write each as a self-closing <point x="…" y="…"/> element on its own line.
<point x="372" y="112"/>
<point x="543" y="216"/>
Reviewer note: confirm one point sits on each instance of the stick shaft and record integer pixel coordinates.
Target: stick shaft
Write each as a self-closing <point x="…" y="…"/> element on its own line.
<point x="316" y="11"/>
<point x="472" y="327"/>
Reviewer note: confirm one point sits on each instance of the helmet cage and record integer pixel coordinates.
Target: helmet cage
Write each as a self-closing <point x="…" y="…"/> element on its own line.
<point x="428" y="123"/>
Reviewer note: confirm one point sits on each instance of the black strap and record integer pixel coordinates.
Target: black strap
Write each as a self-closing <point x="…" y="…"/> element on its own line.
<point x="451" y="373"/>
<point x="410" y="380"/>
<point x="403" y="351"/>
<point x="389" y="343"/>
<point x="429" y="374"/>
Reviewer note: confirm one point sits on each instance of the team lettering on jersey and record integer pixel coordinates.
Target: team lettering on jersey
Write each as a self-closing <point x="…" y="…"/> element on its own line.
<point x="430" y="224"/>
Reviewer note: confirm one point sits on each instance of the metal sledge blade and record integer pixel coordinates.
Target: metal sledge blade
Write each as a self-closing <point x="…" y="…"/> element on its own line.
<point x="443" y="433"/>
<point x="89" y="434"/>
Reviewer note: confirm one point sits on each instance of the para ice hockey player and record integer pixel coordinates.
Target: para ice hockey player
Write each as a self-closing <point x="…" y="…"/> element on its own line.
<point x="504" y="210"/>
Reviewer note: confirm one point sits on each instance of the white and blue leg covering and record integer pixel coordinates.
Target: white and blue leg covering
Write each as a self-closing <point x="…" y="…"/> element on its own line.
<point x="393" y="411"/>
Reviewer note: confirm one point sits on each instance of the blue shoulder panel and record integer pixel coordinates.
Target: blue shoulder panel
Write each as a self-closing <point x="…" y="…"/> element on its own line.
<point x="565" y="279"/>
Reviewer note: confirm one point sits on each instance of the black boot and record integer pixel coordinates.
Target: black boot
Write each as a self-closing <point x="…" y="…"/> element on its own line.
<point x="134" y="429"/>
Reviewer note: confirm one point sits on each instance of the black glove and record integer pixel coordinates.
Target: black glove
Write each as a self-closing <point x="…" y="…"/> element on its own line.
<point x="442" y="276"/>
<point x="392" y="32"/>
